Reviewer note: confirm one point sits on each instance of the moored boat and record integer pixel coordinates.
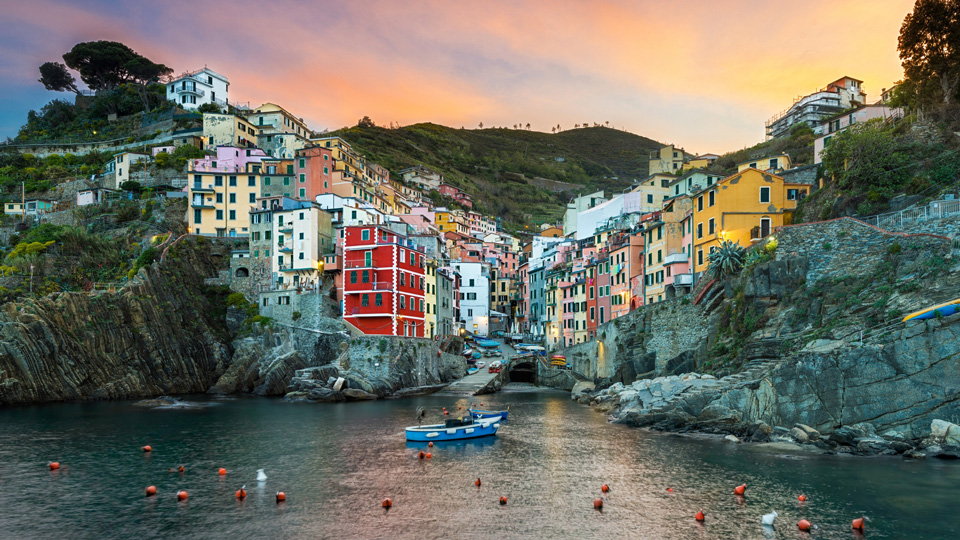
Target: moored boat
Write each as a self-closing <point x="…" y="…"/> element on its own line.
<point x="480" y="413"/>
<point x="455" y="429"/>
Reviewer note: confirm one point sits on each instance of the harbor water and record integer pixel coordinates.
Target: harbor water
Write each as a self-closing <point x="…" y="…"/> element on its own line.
<point x="337" y="462"/>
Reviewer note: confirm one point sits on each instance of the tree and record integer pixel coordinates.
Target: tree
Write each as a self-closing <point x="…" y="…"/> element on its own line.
<point x="142" y="72"/>
<point x="929" y="45"/>
<point x="210" y="107"/>
<point x="54" y="76"/>
<point x="365" y="122"/>
<point x="553" y="130"/>
<point x="101" y="64"/>
<point x="866" y="156"/>
<point x="528" y="126"/>
<point x="481" y="125"/>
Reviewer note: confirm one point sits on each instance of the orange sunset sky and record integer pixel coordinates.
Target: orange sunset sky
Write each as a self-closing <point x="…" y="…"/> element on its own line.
<point x="703" y="75"/>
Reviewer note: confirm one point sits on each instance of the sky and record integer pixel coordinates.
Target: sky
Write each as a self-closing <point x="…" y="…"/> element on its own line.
<point x="704" y="75"/>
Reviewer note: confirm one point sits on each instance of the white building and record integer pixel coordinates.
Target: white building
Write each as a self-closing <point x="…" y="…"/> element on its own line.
<point x="427" y="179"/>
<point x="693" y="181"/>
<point x="812" y="109"/>
<point x="575" y="207"/>
<point x="643" y="200"/>
<point x="194" y="88"/>
<point x="301" y="236"/>
<point x="474" y="296"/>
<point x="350" y="211"/>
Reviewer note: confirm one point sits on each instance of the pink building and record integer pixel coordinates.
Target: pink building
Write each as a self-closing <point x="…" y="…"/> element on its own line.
<point x="456" y="194"/>
<point x="228" y="159"/>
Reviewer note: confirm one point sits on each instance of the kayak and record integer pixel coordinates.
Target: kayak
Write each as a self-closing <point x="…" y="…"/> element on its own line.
<point x="947" y="308"/>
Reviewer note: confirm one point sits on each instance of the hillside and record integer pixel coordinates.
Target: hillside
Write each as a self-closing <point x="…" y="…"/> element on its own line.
<point x="500" y="167"/>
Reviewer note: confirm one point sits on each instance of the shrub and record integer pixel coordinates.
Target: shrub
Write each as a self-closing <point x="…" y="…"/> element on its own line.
<point x="894" y="249"/>
<point x="296" y="315"/>
<point x="726" y="260"/>
<point x="827" y="246"/>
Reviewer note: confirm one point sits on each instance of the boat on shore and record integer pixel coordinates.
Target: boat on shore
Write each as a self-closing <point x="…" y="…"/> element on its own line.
<point x="482" y="414"/>
<point x="941" y="310"/>
<point x="455" y="429"/>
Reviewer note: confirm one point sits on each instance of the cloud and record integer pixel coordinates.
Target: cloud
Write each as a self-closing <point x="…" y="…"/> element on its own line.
<point x="703" y="75"/>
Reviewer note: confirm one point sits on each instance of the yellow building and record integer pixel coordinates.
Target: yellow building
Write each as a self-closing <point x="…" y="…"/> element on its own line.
<point x="667" y="159"/>
<point x="228" y="130"/>
<point x="271" y="118"/>
<point x="451" y="221"/>
<point x="222" y="189"/>
<point x="430" y="327"/>
<point x="743" y="208"/>
<point x="773" y="164"/>
<point x="344" y="158"/>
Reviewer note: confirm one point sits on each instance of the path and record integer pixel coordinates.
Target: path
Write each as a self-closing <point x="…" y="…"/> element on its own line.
<point x="471" y="383"/>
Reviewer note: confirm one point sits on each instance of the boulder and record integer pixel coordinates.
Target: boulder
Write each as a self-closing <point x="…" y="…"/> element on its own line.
<point x="799" y="435"/>
<point x="326" y="395"/>
<point x="355" y="394"/>
<point x="847" y="435"/>
<point x="732" y="439"/>
<point x="581" y="387"/>
<point x="949" y="433"/>
<point x="811" y="433"/>
<point x="873" y="445"/>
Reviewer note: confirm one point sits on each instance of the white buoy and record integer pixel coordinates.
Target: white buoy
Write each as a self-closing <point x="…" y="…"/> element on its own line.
<point x="260" y="476"/>
<point x="767" y="519"/>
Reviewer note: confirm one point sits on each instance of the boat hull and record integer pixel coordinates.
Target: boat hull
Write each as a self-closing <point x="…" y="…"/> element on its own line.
<point x="942" y="310"/>
<point x="477" y="413"/>
<point x="439" y="432"/>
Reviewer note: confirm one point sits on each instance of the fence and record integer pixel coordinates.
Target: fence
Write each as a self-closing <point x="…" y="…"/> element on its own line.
<point x="898" y="221"/>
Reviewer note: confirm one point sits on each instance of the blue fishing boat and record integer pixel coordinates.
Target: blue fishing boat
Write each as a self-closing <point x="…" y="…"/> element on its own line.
<point x="947" y="308"/>
<point x="455" y="429"/>
<point x="472" y="370"/>
<point x="479" y="413"/>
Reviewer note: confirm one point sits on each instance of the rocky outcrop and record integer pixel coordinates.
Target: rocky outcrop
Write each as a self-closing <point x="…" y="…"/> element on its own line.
<point x="266" y="361"/>
<point x="379" y="366"/>
<point x="156" y="336"/>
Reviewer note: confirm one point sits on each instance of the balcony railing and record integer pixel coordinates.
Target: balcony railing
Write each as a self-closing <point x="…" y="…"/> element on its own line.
<point x="358" y="264"/>
<point x="675" y="258"/>
<point x="190" y="90"/>
<point x="197" y="186"/>
<point x="358" y="288"/>
<point x="683" y="279"/>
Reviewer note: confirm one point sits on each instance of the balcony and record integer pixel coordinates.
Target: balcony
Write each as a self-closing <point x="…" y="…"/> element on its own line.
<point x="190" y="91"/>
<point x="684" y="280"/>
<point x="376" y="286"/>
<point x="286" y="249"/>
<point x="369" y="311"/>
<point x="197" y="186"/>
<point x="674" y="258"/>
<point x="285" y="229"/>
<point x="358" y="264"/>
<point x="200" y="203"/>
<point x="292" y="268"/>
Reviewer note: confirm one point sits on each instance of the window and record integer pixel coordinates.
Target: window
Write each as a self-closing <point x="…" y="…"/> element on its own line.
<point x="700" y="203"/>
<point x="471" y="296"/>
<point x="378" y="300"/>
<point x="303" y="193"/>
<point x="218" y="180"/>
<point x="711" y="226"/>
<point x="713" y="197"/>
<point x="774" y="164"/>
<point x="366" y="276"/>
<point x="233" y="214"/>
<point x="325" y="169"/>
<point x="196" y="216"/>
<point x="233" y="181"/>
<point x="659" y="233"/>
<point x="649" y="198"/>
<point x="753" y="165"/>
<point x="699" y="257"/>
<point x="303" y="178"/>
<point x="219" y="214"/>
<point x="367" y="258"/>
<point x="253" y="198"/>
<point x="364" y="300"/>
<point x="233" y="198"/>
<point x="219" y="198"/>
<point x="403" y="302"/>
<point x="251" y="181"/>
<point x="286" y="180"/>
<point x="266" y="181"/>
<point x="764" y="194"/>
<point x="699" y="230"/>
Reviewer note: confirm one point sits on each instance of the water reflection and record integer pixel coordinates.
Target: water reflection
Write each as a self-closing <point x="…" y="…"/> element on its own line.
<point x="337" y="462"/>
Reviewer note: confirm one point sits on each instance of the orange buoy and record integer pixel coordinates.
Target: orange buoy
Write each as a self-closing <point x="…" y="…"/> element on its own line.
<point x="477" y="483"/>
<point x="858" y="524"/>
<point x="387" y="503"/>
<point x="802" y="498"/>
<point x="54" y="465"/>
<point x="740" y="489"/>
<point x="699" y="516"/>
<point x="429" y="455"/>
<point x="445" y="412"/>
<point x="598" y="504"/>
<point x="430" y="444"/>
<point x="670" y="490"/>
<point x="481" y="404"/>
<point x="222" y="471"/>
<point x="281" y="497"/>
<point x="181" y="469"/>
<point x="151" y="491"/>
<point x="181" y="495"/>
<point x="803" y="525"/>
<point x="242" y="493"/>
<point x="503" y="501"/>
<point x="422" y="455"/>
<point x="605" y="488"/>
<point x="459" y="407"/>
<point x="147" y="448"/>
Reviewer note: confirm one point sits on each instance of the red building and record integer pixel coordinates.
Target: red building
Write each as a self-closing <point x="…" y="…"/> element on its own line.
<point x="457" y="195"/>
<point x="313" y="172"/>
<point x="383" y="282"/>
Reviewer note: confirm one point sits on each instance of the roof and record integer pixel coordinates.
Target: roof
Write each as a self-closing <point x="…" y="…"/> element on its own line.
<point x="768" y="156"/>
<point x="739" y="174"/>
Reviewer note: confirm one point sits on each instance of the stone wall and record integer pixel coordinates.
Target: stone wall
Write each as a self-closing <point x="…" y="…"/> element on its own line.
<point x="382" y="364"/>
<point x="647" y="340"/>
<point x="846" y="246"/>
<point x="313" y="309"/>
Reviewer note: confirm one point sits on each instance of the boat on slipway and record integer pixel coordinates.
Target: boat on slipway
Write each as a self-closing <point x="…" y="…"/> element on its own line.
<point x="455" y="429"/>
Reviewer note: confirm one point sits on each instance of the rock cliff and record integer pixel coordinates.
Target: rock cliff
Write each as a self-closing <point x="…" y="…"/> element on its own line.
<point x="158" y="335"/>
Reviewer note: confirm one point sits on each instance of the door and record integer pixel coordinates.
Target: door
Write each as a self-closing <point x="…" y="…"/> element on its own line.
<point x="764" y="228"/>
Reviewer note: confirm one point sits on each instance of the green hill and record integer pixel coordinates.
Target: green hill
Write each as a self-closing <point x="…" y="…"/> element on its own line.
<point x="500" y="168"/>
